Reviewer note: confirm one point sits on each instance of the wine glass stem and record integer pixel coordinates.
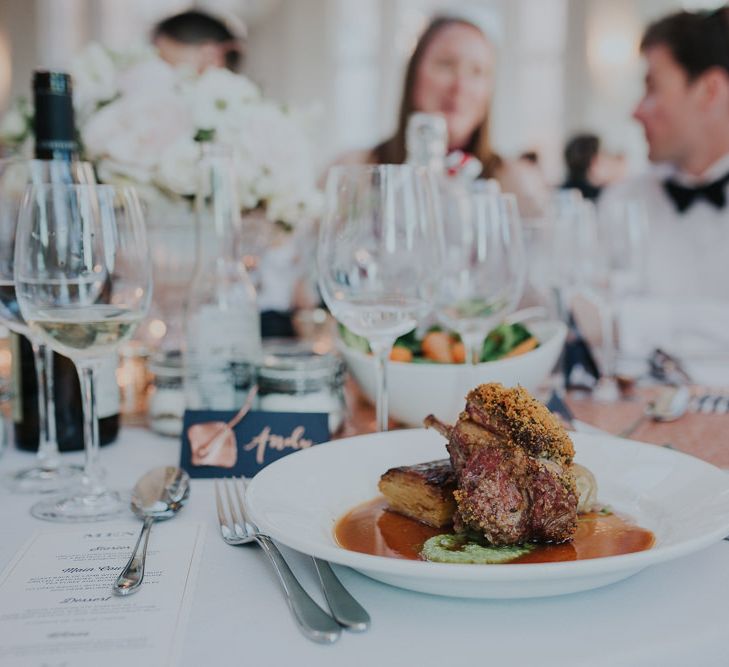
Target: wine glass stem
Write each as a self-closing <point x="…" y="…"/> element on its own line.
<point x="92" y="471"/>
<point x="381" y="351"/>
<point x="563" y="313"/>
<point x="609" y="352"/>
<point x="472" y="343"/>
<point x="47" y="443"/>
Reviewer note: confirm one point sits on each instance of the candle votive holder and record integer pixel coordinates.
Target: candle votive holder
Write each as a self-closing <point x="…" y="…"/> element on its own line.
<point x="294" y="378"/>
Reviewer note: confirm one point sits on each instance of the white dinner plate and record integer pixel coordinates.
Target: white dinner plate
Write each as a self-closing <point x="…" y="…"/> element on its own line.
<point x="683" y="500"/>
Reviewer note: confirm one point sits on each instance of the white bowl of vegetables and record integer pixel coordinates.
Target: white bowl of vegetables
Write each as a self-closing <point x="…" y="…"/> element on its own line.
<point x="430" y="377"/>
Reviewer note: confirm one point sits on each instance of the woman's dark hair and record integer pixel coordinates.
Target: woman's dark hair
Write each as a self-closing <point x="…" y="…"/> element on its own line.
<point x="698" y="41"/>
<point x="195" y="27"/>
<point x="392" y="151"/>
<point x="579" y="153"/>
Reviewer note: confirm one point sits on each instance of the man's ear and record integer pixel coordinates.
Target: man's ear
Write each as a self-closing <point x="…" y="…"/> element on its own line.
<point x="715" y="88"/>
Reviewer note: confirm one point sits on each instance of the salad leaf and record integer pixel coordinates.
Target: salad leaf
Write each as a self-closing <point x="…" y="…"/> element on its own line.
<point x="502" y="339"/>
<point x="499" y="342"/>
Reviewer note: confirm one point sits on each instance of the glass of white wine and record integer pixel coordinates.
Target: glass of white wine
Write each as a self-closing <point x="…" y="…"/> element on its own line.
<point x="83" y="283"/>
<point x="380" y="255"/>
<point x="48" y="475"/>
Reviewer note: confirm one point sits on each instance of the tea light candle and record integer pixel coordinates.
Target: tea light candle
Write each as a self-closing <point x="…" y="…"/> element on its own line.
<point x="132" y="376"/>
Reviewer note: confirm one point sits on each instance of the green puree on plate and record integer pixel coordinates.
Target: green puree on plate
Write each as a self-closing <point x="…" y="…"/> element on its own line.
<point x="464" y="548"/>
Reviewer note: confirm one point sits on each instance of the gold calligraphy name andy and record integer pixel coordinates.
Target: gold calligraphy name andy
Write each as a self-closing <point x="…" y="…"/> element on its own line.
<point x="265" y="439"/>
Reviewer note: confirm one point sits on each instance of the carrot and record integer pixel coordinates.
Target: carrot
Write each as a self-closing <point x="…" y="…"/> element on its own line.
<point x="525" y="346"/>
<point x="436" y="346"/>
<point x="400" y="353"/>
<point x="458" y="352"/>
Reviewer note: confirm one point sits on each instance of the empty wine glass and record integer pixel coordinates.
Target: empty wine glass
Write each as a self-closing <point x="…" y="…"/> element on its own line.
<point x="83" y="283"/>
<point x="484" y="268"/>
<point x="48" y="474"/>
<point x="380" y="255"/>
<point x="589" y="294"/>
<point x="623" y="232"/>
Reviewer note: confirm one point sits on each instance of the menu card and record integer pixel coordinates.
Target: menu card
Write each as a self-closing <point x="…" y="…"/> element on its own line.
<point x="57" y="608"/>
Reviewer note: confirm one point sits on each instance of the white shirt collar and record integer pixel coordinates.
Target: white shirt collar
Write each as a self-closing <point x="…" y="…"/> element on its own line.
<point x="712" y="173"/>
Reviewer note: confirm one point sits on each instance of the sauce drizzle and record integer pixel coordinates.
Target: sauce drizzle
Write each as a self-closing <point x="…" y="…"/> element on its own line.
<point x="372" y="529"/>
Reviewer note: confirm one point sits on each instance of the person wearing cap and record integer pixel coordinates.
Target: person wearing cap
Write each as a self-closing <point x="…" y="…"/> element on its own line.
<point x="198" y="40"/>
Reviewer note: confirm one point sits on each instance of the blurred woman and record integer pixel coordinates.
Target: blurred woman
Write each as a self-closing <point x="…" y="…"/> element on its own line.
<point x="451" y="72"/>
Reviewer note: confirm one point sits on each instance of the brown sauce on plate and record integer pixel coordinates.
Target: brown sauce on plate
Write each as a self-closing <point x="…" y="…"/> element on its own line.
<point x="371" y="528"/>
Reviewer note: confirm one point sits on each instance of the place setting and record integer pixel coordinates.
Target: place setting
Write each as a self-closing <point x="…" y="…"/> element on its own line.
<point x="367" y="341"/>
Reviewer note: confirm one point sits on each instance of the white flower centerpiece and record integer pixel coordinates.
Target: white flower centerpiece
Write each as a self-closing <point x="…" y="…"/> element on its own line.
<point x="141" y="121"/>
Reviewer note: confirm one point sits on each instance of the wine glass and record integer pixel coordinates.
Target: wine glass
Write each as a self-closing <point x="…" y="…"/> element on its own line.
<point x="485" y="266"/>
<point x="83" y="283"/>
<point x="623" y="232"/>
<point x="48" y="474"/>
<point x="590" y="297"/>
<point x="379" y="255"/>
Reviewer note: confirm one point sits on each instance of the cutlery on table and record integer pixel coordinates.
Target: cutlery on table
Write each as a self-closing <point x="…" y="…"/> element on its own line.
<point x="710" y="403"/>
<point x="236" y="529"/>
<point x="158" y="495"/>
<point x="344" y="608"/>
<point x="670" y="404"/>
<point x="666" y="368"/>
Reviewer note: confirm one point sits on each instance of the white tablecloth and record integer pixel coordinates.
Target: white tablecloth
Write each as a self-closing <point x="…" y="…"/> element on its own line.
<point x="671" y="614"/>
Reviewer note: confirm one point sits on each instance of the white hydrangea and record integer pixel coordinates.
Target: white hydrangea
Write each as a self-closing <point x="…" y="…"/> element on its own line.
<point x="141" y="121"/>
<point x="177" y="167"/>
<point x="217" y="95"/>
<point x="14" y="124"/>
<point x="94" y="79"/>
<point x="132" y="132"/>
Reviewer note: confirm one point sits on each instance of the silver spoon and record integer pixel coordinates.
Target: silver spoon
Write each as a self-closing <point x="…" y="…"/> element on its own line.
<point x="670" y="404"/>
<point x="158" y="495"/>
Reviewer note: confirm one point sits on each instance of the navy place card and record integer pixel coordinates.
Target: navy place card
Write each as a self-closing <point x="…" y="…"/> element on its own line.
<point x="216" y="444"/>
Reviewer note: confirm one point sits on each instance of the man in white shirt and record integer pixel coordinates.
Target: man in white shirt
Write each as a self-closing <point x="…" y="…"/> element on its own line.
<point x="685" y="116"/>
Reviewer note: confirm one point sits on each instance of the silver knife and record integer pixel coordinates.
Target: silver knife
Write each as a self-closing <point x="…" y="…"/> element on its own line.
<point x="345" y="609"/>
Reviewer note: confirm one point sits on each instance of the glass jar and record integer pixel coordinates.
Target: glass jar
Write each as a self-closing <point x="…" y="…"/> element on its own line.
<point x="167" y="394"/>
<point x="294" y="378"/>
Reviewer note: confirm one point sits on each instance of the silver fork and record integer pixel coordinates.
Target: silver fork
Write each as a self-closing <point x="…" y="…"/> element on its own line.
<point x="315" y="623"/>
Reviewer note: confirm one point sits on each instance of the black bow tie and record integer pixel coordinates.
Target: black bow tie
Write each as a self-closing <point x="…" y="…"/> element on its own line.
<point x="683" y="196"/>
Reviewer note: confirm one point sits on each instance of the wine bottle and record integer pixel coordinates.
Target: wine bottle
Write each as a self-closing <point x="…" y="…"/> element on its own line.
<point x="56" y="153"/>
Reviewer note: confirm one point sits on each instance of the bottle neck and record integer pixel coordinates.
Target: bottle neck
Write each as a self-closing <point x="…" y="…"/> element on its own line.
<point x="59" y="154"/>
<point x="53" y="121"/>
